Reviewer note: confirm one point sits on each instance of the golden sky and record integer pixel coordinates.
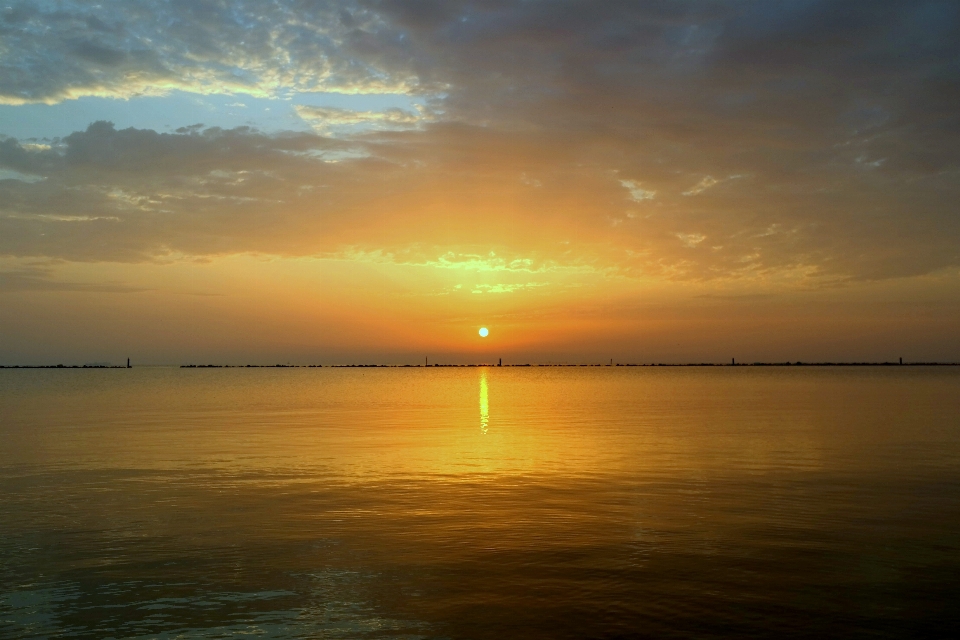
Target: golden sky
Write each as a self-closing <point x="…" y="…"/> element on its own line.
<point x="372" y="181"/>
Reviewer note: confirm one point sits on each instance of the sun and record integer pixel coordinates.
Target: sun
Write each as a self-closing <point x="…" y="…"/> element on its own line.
<point x="484" y="332"/>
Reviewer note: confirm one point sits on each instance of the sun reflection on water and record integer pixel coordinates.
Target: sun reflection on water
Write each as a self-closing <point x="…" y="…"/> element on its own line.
<point x="484" y="405"/>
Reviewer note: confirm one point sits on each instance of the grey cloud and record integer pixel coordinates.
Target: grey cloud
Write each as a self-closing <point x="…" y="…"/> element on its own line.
<point x="189" y="151"/>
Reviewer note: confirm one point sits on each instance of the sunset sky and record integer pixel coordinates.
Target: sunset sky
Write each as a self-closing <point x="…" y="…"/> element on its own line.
<point x="373" y="181"/>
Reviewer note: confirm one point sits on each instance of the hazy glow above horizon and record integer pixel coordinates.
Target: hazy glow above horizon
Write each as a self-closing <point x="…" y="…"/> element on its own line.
<point x="348" y="181"/>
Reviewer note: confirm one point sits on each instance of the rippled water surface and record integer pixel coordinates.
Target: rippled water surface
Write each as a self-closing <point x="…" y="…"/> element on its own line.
<point x="480" y="502"/>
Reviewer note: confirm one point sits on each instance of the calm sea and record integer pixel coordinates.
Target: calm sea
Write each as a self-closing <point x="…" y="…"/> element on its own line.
<point x="480" y="503"/>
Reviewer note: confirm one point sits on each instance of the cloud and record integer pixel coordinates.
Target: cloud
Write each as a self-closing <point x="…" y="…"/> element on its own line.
<point x="56" y="51"/>
<point x="10" y="174"/>
<point x="637" y="193"/>
<point x="701" y="186"/>
<point x="38" y="278"/>
<point x="691" y="240"/>
<point x="507" y="288"/>
<point x="806" y="98"/>
<point x="325" y="118"/>
<point x="707" y="183"/>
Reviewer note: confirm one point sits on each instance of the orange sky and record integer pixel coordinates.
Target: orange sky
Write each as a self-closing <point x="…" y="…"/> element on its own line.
<point x="372" y="182"/>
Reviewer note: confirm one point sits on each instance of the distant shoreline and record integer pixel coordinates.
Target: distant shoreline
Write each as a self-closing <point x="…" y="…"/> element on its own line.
<point x="64" y="366"/>
<point x="432" y="366"/>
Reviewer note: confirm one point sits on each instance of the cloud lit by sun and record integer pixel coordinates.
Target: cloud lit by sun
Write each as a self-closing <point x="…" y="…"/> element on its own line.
<point x="360" y="179"/>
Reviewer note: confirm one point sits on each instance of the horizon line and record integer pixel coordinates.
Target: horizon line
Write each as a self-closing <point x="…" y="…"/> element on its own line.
<point x="797" y="363"/>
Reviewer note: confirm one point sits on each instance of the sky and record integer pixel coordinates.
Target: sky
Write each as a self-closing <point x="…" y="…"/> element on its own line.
<point x="310" y="181"/>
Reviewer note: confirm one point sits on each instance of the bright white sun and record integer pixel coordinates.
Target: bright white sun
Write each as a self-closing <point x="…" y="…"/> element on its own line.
<point x="483" y="332"/>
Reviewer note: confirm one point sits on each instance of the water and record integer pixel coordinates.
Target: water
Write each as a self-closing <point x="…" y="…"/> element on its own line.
<point x="480" y="503"/>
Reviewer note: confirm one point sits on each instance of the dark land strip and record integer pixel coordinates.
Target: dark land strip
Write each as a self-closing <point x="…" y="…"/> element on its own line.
<point x="438" y="365"/>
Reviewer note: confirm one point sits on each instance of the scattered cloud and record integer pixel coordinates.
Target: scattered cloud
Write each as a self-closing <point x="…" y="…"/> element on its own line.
<point x="124" y="49"/>
<point x="637" y="193"/>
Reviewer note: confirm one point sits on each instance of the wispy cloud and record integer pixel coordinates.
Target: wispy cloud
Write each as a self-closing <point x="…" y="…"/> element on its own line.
<point x="637" y="192"/>
<point x="43" y="279"/>
<point x="691" y="240"/>
<point x="507" y="288"/>
<point x="323" y="119"/>
<point x="701" y="186"/>
<point x="707" y="183"/>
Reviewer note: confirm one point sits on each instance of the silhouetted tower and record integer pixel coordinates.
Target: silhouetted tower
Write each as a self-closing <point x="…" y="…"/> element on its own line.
<point x="128" y="363"/>
<point x="733" y="361"/>
<point x="500" y="364"/>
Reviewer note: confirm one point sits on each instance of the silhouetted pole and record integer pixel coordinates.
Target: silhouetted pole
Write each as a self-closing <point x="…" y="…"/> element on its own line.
<point x="733" y="361"/>
<point x="500" y="364"/>
<point x="901" y="360"/>
<point x="128" y="363"/>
